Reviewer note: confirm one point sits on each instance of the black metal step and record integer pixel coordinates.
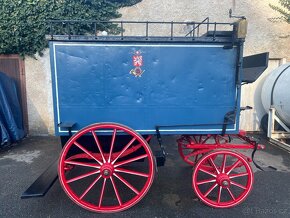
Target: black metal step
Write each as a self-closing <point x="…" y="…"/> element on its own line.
<point x="43" y="183"/>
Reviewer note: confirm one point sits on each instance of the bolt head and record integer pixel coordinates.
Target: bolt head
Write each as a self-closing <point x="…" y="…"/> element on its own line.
<point x="225" y="183"/>
<point x="106" y="172"/>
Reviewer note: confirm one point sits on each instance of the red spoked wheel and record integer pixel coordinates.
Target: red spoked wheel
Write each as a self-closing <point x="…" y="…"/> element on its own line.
<point x="106" y="173"/>
<point x="228" y="184"/>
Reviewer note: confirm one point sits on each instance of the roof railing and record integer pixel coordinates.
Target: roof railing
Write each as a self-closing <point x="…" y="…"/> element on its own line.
<point x="154" y="30"/>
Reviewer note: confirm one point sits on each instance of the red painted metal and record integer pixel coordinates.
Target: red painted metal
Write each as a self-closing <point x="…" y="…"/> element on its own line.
<point x="192" y="148"/>
<point x="228" y="184"/>
<point x="109" y="176"/>
<point x="104" y="156"/>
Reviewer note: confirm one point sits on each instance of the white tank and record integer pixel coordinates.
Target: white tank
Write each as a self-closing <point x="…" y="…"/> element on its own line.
<point x="276" y="91"/>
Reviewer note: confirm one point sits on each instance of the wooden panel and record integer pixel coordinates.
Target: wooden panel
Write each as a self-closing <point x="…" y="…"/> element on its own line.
<point x="13" y="66"/>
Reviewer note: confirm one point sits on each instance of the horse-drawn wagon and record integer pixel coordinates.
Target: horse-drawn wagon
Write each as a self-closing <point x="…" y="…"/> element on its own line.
<point x="112" y="94"/>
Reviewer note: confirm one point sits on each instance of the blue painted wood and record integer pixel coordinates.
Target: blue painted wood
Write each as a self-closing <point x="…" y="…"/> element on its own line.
<point x="181" y="84"/>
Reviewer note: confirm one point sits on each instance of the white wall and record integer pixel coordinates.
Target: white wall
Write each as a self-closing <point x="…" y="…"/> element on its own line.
<point x="39" y="95"/>
<point x="262" y="36"/>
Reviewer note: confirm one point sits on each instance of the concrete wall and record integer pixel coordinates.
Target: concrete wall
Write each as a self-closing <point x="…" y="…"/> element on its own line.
<point x="39" y="95"/>
<point x="262" y="36"/>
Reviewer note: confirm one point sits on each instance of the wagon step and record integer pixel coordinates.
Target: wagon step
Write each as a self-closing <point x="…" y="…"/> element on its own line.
<point x="43" y="183"/>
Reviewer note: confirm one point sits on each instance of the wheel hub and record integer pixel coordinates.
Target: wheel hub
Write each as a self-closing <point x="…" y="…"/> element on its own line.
<point x="223" y="180"/>
<point x="107" y="170"/>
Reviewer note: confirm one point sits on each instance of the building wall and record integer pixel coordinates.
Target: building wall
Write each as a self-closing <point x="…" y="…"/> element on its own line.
<point x="262" y="36"/>
<point x="39" y="95"/>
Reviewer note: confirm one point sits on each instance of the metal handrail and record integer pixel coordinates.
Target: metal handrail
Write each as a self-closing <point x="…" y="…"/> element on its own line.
<point x="67" y="25"/>
<point x="198" y="24"/>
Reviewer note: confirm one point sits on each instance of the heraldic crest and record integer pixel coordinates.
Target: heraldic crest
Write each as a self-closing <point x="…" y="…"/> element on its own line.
<point x="137" y="63"/>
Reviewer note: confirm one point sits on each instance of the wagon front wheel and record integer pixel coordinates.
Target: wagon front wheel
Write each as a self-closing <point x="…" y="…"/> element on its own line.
<point x="106" y="167"/>
<point x="228" y="184"/>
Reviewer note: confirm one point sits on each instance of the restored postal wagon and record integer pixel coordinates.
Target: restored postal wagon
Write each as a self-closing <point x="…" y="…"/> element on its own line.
<point x="112" y="94"/>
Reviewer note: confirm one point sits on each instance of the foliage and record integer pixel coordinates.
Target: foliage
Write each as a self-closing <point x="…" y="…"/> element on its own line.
<point x="283" y="9"/>
<point x="23" y="23"/>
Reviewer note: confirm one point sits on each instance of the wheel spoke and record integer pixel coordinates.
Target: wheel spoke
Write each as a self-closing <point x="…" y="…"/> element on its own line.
<point x="233" y="166"/>
<point x="102" y="192"/>
<point x="83" y="176"/>
<point x="207" y="172"/>
<point x="195" y="159"/>
<point x="206" y="181"/>
<point x="99" y="146"/>
<point x="122" y="170"/>
<point x="224" y="163"/>
<point x="130" y="160"/>
<point x="116" y="191"/>
<point x="238" y="175"/>
<point x="124" y="149"/>
<point x="112" y="144"/>
<point x="205" y="140"/>
<point x="90" y="187"/>
<point x="219" y="194"/>
<point x="82" y="164"/>
<point x="126" y="183"/>
<point x="231" y="194"/>
<point x="213" y="164"/>
<point x="238" y="185"/>
<point x="87" y="152"/>
<point x="210" y="190"/>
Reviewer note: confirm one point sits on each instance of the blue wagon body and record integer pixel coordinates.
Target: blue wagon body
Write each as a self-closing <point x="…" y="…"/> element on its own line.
<point x="185" y="88"/>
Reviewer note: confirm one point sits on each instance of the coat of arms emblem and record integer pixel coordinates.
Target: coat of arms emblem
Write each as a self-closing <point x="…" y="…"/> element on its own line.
<point x="137" y="63"/>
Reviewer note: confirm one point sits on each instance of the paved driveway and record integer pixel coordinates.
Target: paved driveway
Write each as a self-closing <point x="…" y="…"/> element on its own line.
<point x="171" y="194"/>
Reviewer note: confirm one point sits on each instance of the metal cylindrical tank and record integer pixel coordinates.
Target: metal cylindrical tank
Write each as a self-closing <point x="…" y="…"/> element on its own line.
<point x="276" y="92"/>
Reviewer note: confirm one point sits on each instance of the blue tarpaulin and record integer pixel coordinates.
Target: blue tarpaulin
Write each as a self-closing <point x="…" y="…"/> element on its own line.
<point x="11" y="121"/>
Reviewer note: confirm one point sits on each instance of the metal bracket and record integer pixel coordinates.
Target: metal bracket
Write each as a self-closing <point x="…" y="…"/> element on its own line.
<point x="234" y="16"/>
<point x="67" y="125"/>
<point x="160" y="155"/>
<point x="229" y="118"/>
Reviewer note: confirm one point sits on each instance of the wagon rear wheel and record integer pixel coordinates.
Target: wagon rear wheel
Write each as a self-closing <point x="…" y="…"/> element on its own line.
<point x="228" y="184"/>
<point x="106" y="168"/>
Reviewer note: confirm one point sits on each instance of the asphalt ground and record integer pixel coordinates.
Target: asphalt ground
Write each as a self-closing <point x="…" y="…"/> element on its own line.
<point x="171" y="194"/>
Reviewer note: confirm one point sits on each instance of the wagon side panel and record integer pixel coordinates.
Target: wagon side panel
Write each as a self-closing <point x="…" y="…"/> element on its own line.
<point x="186" y="88"/>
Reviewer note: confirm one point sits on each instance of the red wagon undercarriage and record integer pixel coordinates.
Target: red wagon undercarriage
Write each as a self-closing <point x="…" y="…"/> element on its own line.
<point x="113" y="175"/>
